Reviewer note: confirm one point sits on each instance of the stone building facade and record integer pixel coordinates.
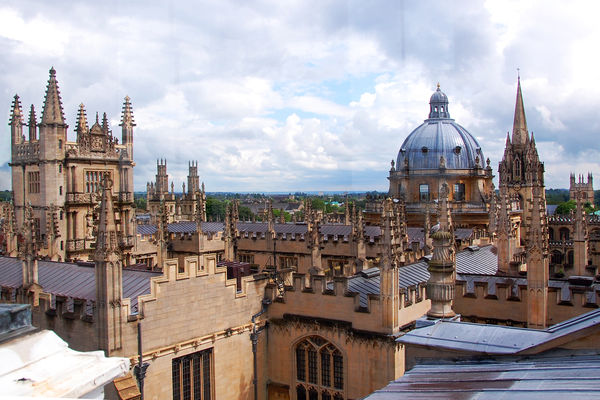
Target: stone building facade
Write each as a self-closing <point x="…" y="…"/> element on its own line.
<point x="61" y="179"/>
<point x="319" y="315"/>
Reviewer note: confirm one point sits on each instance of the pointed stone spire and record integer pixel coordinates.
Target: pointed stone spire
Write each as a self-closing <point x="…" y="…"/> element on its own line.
<point x="32" y="124"/>
<point x="537" y="262"/>
<point x="492" y="214"/>
<point x="105" y="129"/>
<point x="109" y="314"/>
<point x="106" y="244"/>
<point x="389" y="288"/>
<point x="519" y="134"/>
<point x="9" y="229"/>
<point x="16" y="113"/>
<point x="29" y="256"/>
<point x="16" y="122"/>
<point x="53" y="110"/>
<point x="281" y="216"/>
<point x="82" y="124"/>
<point x="127" y="115"/>
<point x="52" y="232"/>
<point x="347" y="211"/>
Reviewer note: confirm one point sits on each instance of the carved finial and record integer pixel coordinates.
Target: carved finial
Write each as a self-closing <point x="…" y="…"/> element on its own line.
<point x="16" y="115"/>
<point x="127" y="113"/>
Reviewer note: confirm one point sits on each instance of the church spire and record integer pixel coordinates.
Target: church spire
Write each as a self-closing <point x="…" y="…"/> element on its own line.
<point x="53" y="110"/>
<point x="519" y="133"/>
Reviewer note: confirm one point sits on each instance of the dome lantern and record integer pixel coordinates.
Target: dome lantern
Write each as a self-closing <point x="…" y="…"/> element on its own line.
<point x="438" y="104"/>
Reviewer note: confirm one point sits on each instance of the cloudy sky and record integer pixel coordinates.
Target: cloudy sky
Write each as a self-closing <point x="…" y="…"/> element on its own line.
<point x="308" y="95"/>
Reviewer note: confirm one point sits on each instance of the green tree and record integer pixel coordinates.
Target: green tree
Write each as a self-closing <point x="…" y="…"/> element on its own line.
<point x="317" y="203"/>
<point x="565" y="208"/>
<point x="215" y="209"/>
<point x="140" y="201"/>
<point x="245" y="213"/>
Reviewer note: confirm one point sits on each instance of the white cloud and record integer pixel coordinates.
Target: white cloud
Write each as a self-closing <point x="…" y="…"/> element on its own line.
<point x="272" y="96"/>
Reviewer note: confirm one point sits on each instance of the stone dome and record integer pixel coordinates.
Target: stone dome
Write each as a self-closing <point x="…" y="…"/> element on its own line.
<point x="439" y="136"/>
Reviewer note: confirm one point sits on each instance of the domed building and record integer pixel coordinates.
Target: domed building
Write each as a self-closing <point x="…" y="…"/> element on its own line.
<point x="441" y="151"/>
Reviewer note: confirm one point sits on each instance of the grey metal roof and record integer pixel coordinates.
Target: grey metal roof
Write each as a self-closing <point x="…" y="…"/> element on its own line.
<point x="329" y="232"/>
<point x="440" y="137"/>
<point x="548" y="378"/>
<point x="75" y="282"/>
<point x="481" y="262"/>
<point x="496" y="339"/>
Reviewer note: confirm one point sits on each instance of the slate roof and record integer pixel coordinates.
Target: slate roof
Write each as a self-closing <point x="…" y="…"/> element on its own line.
<point x="547" y="378"/>
<point x="73" y="281"/>
<point x="329" y="232"/>
<point x="478" y="261"/>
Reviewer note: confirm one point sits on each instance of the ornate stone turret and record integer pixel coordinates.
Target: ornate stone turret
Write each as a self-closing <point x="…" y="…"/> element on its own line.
<point x="314" y="239"/>
<point x="389" y="287"/>
<point x="580" y="238"/>
<point x="347" y="212"/>
<point x="426" y="228"/>
<point x="28" y="253"/>
<point x="32" y="124"/>
<point x="9" y="229"/>
<point x="52" y="113"/>
<point x="162" y="235"/>
<point x="281" y="216"/>
<point x="127" y="124"/>
<point x="109" y="275"/>
<point x="587" y="188"/>
<point x="16" y="121"/>
<point x="493" y="215"/>
<point x="82" y="128"/>
<point x="228" y="234"/>
<point x="52" y="232"/>
<point x="193" y="179"/>
<point x="537" y="262"/>
<point x="162" y="179"/>
<point x="442" y="266"/>
<point x="504" y="233"/>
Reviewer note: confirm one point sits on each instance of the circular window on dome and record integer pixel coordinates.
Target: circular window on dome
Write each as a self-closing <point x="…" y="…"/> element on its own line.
<point x="457" y="150"/>
<point x="424" y="149"/>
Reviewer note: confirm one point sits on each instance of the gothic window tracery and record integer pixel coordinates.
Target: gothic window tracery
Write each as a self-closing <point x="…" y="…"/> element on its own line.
<point x="517" y="169"/>
<point x="319" y="370"/>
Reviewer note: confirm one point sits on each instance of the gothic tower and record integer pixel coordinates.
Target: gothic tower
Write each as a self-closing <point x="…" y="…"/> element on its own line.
<point x="520" y="169"/>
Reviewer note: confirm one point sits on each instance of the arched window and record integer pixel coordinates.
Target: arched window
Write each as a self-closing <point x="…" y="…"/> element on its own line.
<point x="424" y="192"/>
<point x="517" y="170"/>
<point x="319" y="370"/>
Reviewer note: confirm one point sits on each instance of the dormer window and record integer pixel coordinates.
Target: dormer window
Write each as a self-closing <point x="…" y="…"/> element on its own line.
<point x="457" y="150"/>
<point x="424" y="149"/>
